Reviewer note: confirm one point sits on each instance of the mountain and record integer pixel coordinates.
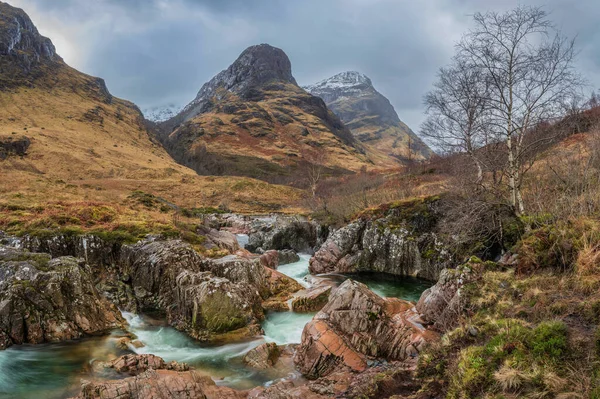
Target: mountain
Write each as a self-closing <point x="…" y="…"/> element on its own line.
<point x="253" y="119"/>
<point x="63" y="136"/>
<point x="369" y="115"/>
<point x="161" y="113"/>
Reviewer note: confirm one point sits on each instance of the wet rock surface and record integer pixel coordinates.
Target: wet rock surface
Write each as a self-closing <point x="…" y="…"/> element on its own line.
<point x="355" y="326"/>
<point x="312" y="299"/>
<point x="208" y="307"/>
<point x="49" y="300"/>
<point x="153" y="378"/>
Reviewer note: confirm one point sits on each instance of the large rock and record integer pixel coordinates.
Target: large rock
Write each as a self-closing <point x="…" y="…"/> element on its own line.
<point x="238" y="269"/>
<point x="263" y="356"/>
<point x="151" y="268"/>
<point x="286" y="232"/>
<point x="135" y="364"/>
<point x="402" y="242"/>
<point x="153" y="378"/>
<point x="48" y="300"/>
<point x="287" y="256"/>
<point x="442" y="304"/>
<point x="312" y="299"/>
<point x="13" y="146"/>
<point x="356" y="326"/>
<point x="211" y="308"/>
<point x="218" y="238"/>
<point x="281" y="288"/>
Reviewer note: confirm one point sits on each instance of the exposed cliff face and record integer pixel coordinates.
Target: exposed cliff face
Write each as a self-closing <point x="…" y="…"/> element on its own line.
<point x="402" y="242"/>
<point x="284" y="232"/>
<point x="22" y="48"/>
<point x="48" y="300"/>
<point x="253" y="119"/>
<point x="369" y="115"/>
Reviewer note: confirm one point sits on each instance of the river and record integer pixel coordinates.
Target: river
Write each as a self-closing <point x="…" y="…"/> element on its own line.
<point x="55" y="370"/>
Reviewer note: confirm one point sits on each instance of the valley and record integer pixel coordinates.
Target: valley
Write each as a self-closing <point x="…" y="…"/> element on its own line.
<point x="272" y="240"/>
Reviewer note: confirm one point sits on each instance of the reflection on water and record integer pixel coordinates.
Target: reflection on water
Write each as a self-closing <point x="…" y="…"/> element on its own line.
<point x="55" y="370"/>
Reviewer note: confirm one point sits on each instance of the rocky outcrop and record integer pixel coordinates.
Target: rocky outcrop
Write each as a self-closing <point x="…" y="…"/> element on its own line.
<point x="287" y="256"/>
<point x="135" y="364"/>
<point x="22" y="48"/>
<point x="239" y="269"/>
<point x="48" y="300"/>
<point x="263" y="356"/>
<point x="151" y="268"/>
<point x="218" y="238"/>
<point x="13" y="146"/>
<point x="357" y="326"/>
<point x="153" y="378"/>
<point x="442" y="304"/>
<point x="401" y="242"/>
<point x="285" y="232"/>
<point x="311" y="300"/>
<point x="281" y="288"/>
<point x="211" y="308"/>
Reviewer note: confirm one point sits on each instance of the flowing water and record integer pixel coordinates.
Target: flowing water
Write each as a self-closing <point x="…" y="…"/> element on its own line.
<point x="55" y="370"/>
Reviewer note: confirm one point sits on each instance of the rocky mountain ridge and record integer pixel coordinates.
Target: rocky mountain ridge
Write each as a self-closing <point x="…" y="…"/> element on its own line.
<point x="369" y="115"/>
<point x="253" y="119"/>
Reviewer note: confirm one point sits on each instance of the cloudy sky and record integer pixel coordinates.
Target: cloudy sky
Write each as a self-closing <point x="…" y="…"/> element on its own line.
<point x="157" y="52"/>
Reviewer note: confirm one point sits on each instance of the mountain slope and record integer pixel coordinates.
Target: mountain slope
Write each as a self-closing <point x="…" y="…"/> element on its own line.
<point x="84" y="143"/>
<point x="253" y="119"/>
<point x="369" y="115"/>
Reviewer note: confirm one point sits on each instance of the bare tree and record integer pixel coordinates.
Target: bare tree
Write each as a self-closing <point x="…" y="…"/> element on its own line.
<point x="456" y="110"/>
<point x="313" y="167"/>
<point x="529" y="66"/>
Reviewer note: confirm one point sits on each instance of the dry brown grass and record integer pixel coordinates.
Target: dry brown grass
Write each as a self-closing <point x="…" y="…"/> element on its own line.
<point x="86" y="149"/>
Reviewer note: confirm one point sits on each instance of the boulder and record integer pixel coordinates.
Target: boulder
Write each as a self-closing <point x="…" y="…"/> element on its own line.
<point x="442" y="304"/>
<point x="211" y="308"/>
<point x="270" y="259"/>
<point x="49" y="300"/>
<point x="383" y="246"/>
<point x="285" y="232"/>
<point x="151" y="269"/>
<point x="134" y="364"/>
<point x="219" y="239"/>
<point x="153" y="378"/>
<point x="238" y="269"/>
<point x="287" y="256"/>
<point x="356" y="326"/>
<point x="281" y="289"/>
<point x="263" y="356"/>
<point x="311" y="300"/>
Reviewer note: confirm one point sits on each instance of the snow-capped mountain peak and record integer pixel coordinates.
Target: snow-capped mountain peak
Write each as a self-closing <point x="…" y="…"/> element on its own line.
<point x="161" y="113"/>
<point x="343" y="80"/>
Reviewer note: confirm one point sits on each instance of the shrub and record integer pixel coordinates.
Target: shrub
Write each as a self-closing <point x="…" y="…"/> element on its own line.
<point x="549" y="340"/>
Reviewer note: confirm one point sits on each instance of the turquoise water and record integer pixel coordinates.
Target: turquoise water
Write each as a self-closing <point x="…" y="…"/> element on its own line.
<point x="55" y="370"/>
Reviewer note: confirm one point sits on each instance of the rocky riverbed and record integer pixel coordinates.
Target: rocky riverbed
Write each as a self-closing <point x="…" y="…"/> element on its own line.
<point x="243" y="322"/>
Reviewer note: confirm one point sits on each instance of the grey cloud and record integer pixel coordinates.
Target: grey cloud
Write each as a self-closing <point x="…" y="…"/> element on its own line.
<point x="156" y="52"/>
